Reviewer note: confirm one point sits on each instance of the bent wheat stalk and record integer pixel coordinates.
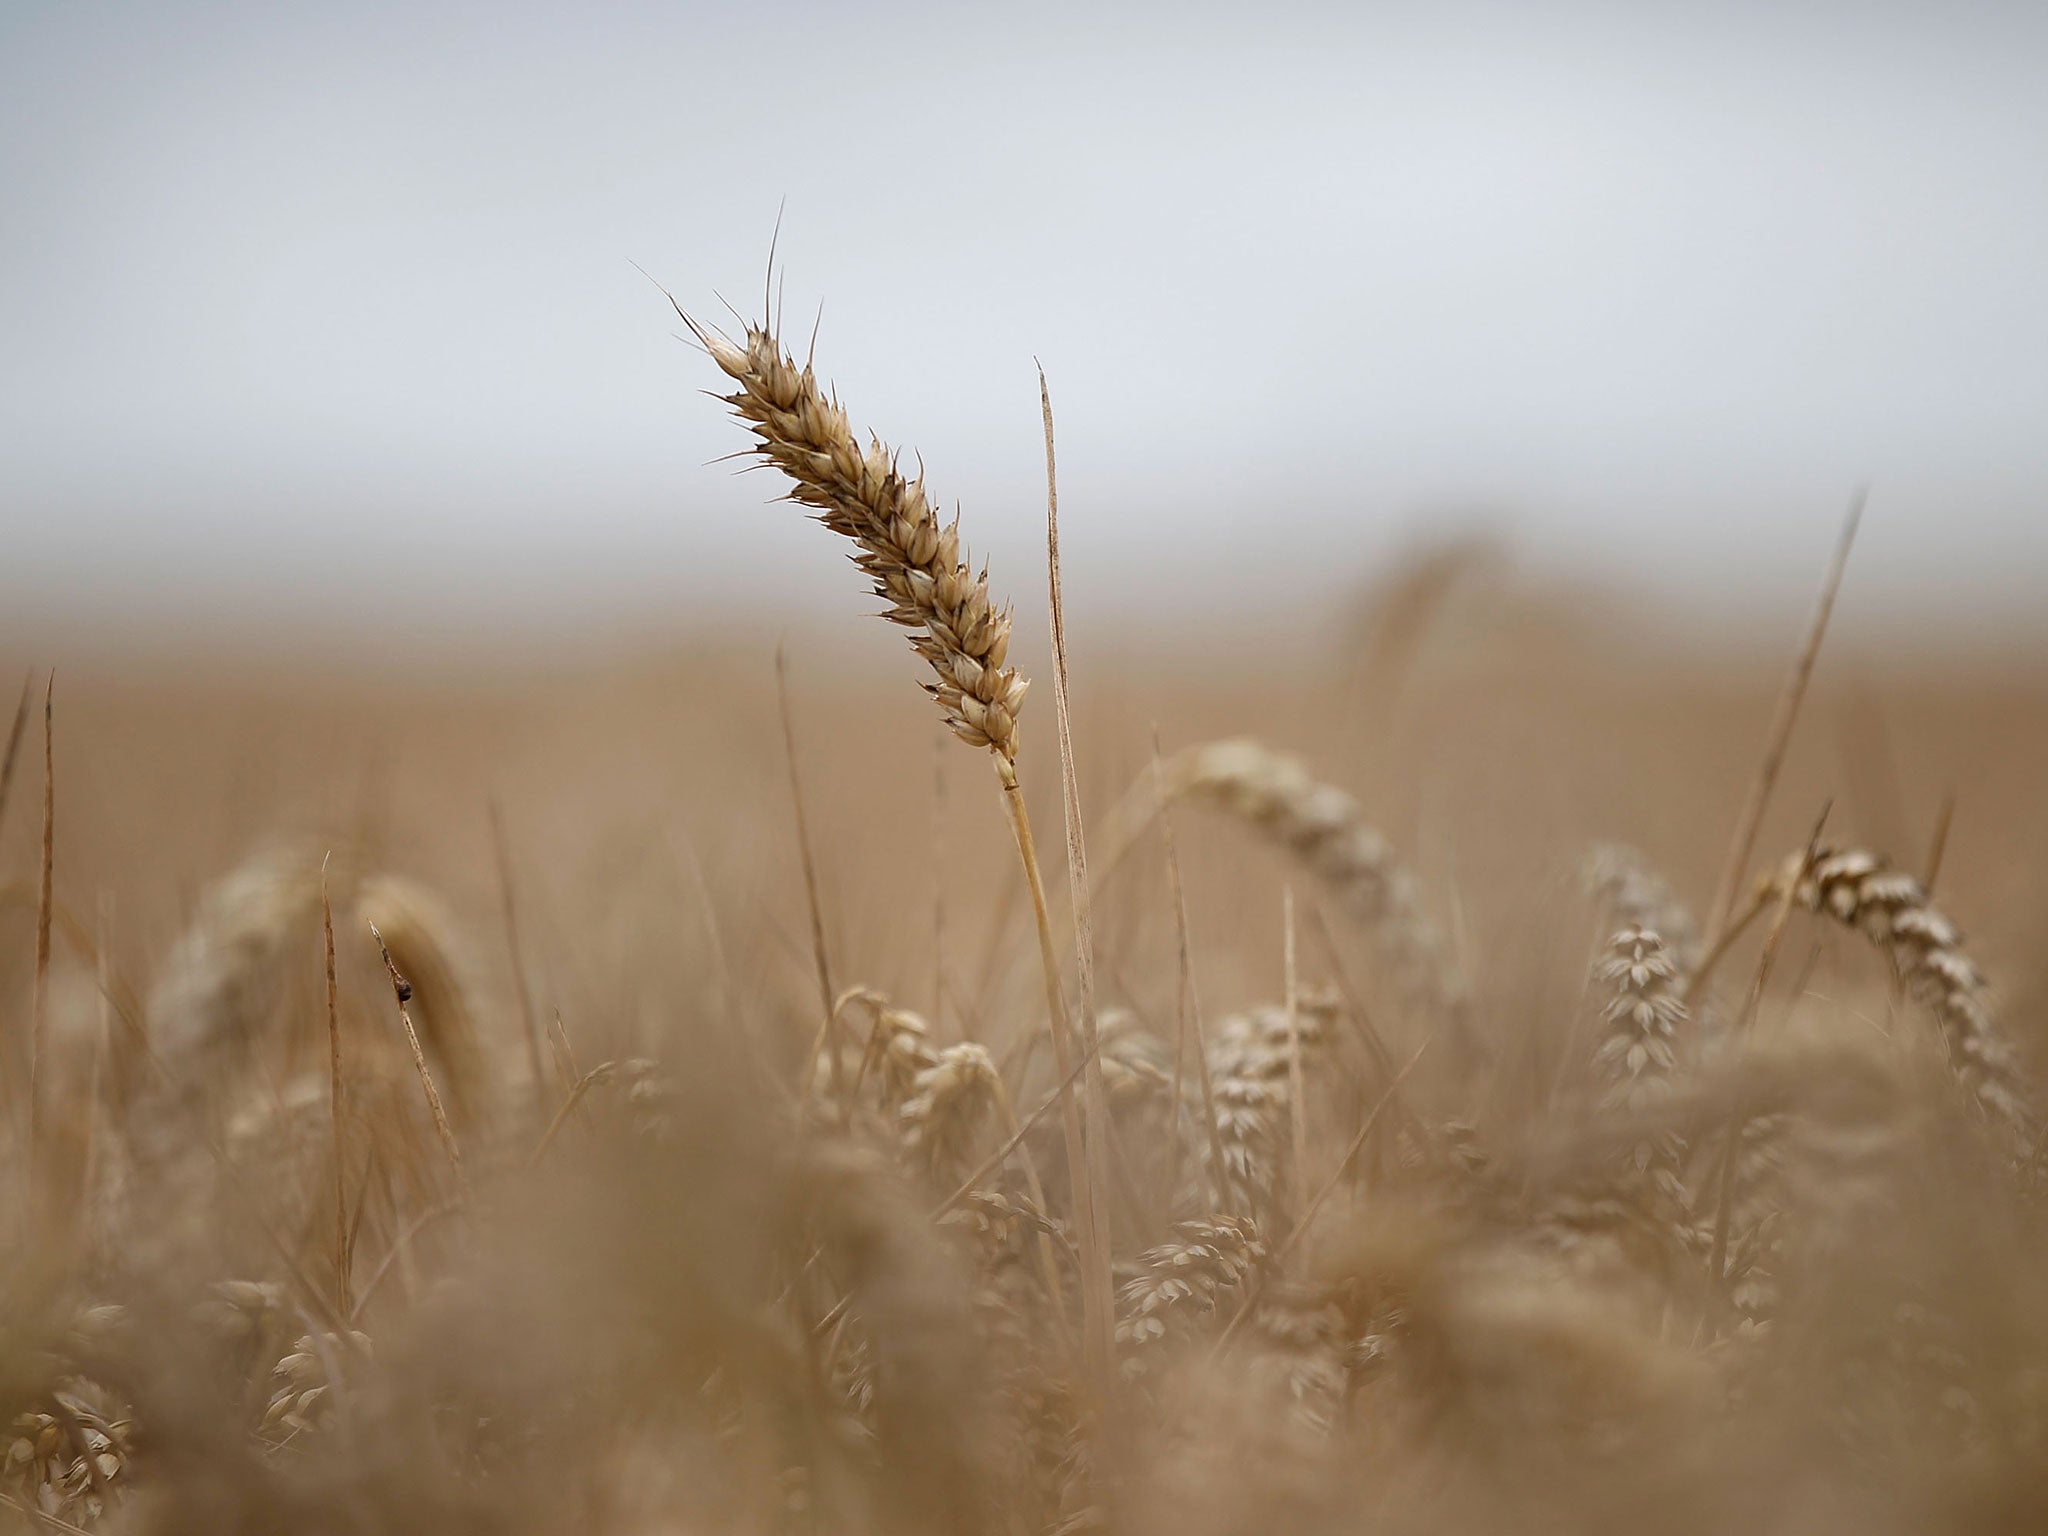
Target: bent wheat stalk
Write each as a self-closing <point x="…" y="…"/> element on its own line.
<point x="1326" y="830"/>
<point x="917" y="566"/>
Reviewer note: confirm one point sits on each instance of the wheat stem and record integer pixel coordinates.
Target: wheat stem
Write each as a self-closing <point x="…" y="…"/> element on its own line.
<point x="334" y="1095"/>
<point x="1098" y="1320"/>
<point x="1781" y="731"/>
<point x="45" y="900"/>
<point x="529" y="1019"/>
<point x="402" y="990"/>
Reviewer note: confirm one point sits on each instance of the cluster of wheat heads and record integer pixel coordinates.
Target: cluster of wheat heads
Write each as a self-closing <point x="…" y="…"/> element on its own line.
<point x="336" y="1250"/>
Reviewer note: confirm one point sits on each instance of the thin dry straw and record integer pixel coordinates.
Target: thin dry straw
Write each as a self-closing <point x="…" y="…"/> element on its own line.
<point x="103" y="1033"/>
<point x="823" y="966"/>
<point x="1099" y="1320"/>
<point x="1696" y="982"/>
<point x="14" y="736"/>
<point x="1297" y="1083"/>
<point x="1938" y="846"/>
<point x="939" y="879"/>
<point x="1724" y="1201"/>
<point x="1048" y="1265"/>
<point x="399" y="1244"/>
<point x="402" y="990"/>
<point x="589" y="1080"/>
<point x="564" y="1054"/>
<point x="528" y="1018"/>
<point x="1781" y="732"/>
<point x="45" y="900"/>
<point x="334" y="1098"/>
<point x="1360" y="1018"/>
<point x="1190" y="1009"/>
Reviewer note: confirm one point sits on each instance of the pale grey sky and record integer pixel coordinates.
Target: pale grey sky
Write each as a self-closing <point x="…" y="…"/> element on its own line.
<point x="323" y="317"/>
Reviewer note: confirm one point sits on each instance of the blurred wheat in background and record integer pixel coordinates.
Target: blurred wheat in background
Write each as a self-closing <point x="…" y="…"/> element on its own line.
<point x="497" y="1104"/>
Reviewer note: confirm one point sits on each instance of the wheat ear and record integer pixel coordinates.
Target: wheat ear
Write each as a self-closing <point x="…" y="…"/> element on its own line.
<point x="1257" y="1073"/>
<point x="950" y="1100"/>
<point x="1637" y="1056"/>
<point x="1891" y="908"/>
<point x="1206" y="1263"/>
<point x="916" y="563"/>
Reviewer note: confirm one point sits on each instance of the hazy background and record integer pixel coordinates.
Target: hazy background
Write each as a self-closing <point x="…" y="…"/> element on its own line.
<point x="320" y="323"/>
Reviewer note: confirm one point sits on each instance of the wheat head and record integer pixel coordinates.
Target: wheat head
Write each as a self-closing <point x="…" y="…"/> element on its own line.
<point x="916" y="562"/>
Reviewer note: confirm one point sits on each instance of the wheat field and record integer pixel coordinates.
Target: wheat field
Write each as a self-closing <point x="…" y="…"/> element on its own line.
<point x="1421" y="1108"/>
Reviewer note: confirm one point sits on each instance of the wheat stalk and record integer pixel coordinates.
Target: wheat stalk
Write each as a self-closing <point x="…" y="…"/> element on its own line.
<point x="45" y="901"/>
<point x="918" y="567"/>
<point x="401" y="989"/>
<point x="1722" y="912"/>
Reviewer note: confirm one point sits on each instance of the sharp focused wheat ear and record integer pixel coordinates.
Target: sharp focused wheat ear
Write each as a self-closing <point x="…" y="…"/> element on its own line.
<point x="916" y="563"/>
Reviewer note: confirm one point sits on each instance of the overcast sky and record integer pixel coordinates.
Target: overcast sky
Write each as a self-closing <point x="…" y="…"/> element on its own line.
<point x="324" y="317"/>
